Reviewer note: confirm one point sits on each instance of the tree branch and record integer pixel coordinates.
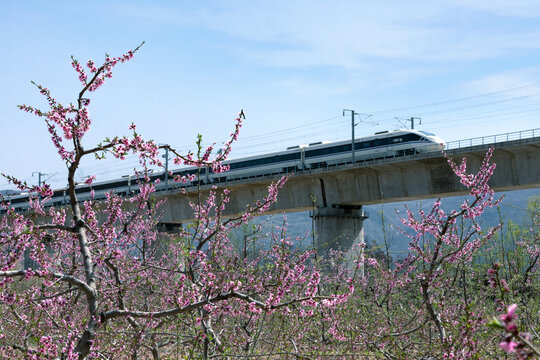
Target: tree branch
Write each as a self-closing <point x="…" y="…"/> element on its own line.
<point x="62" y="277"/>
<point x="191" y="307"/>
<point x="56" y="227"/>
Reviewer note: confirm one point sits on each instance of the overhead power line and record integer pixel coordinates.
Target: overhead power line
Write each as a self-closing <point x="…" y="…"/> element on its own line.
<point x="455" y="100"/>
<point x="434" y="114"/>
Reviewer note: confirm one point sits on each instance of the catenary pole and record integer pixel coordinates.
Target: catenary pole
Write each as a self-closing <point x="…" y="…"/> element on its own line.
<point x="353" y="113"/>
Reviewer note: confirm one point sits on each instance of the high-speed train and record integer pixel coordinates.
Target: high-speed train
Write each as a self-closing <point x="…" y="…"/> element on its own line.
<point x="384" y="144"/>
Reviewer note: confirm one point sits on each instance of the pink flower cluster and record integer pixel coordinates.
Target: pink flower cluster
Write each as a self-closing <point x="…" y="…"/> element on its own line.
<point x="101" y="73"/>
<point x="514" y="341"/>
<point x="100" y="270"/>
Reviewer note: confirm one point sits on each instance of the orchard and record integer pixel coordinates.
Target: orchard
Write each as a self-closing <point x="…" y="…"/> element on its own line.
<point x="107" y="285"/>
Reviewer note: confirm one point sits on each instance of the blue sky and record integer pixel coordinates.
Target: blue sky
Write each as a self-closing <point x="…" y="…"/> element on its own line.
<point x="467" y="68"/>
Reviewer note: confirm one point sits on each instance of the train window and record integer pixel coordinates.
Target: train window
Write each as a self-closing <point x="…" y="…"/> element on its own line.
<point x="412" y="137"/>
<point x="327" y="150"/>
<point x="396" y="140"/>
<point x="265" y="160"/>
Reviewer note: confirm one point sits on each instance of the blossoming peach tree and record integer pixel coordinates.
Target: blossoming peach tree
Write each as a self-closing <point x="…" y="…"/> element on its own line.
<point x="105" y="284"/>
<point x="435" y="303"/>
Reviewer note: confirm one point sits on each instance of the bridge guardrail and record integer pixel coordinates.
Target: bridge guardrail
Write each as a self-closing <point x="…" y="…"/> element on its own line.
<point x="492" y="139"/>
<point x="377" y="159"/>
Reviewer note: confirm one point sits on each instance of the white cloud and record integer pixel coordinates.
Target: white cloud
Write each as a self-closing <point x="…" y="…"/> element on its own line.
<point x="519" y="8"/>
<point x="349" y="34"/>
<point x="521" y="82"/>
<point x="384" y="43"/>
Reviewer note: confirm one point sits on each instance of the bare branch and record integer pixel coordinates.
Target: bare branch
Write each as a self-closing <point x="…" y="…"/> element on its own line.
<point x="62" y="277"/>
<point x="56" y="227"/>
<point x="191" y="307"/>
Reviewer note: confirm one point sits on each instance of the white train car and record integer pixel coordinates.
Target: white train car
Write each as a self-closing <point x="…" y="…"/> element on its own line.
<point x="384" y="144"/>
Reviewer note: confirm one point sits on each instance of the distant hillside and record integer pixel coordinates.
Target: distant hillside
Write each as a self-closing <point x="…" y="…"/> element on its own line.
<point x="513" y="208"/>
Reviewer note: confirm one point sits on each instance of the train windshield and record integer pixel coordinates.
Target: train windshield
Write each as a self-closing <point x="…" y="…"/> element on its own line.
<point x="426" y="133"/>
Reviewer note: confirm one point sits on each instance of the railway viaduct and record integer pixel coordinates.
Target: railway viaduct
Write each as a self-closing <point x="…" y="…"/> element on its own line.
<point x="336" y="194"/>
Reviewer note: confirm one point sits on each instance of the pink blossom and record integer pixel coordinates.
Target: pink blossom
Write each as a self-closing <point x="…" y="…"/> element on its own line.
<point x="90" y="179"/>
<point x="509" y="346"/>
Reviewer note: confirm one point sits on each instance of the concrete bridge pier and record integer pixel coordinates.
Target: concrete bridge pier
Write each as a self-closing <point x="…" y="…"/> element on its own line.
<point x="168" y="228"/>
<point x="340" y="227"/>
